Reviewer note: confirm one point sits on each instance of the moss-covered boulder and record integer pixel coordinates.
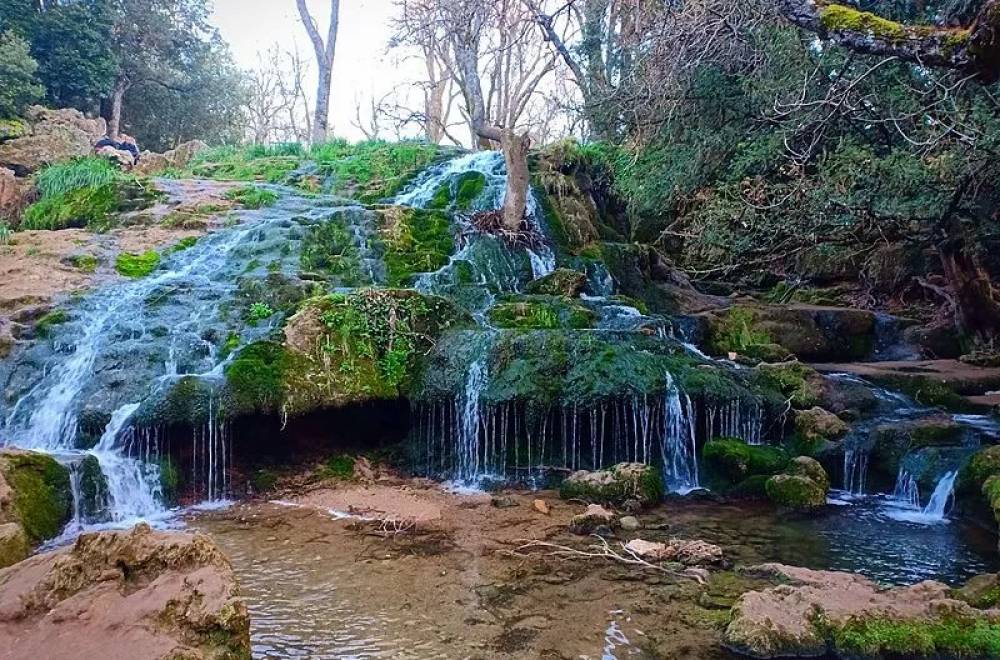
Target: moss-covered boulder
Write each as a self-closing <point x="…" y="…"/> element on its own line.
<point x="894" y="441"/>
<point x="802" y="486"/>
<point x="560" y="282"/>
<point x="541" y="313"/>
<point x="14" y="545"/>
<point x="831" y="614"/>
<point x="37" y="494"/>
<point x="731" y="460"/>
<point x="341" y="349"/>
<point x="414" y="241"/>
<point x="817" y="431"/>
<point x="616" y="485"/>
<point x="808" y="332"/>
<point x="802" y="385"/>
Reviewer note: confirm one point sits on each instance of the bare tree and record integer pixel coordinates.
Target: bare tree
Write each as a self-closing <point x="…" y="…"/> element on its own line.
<point x="325" y="52"/>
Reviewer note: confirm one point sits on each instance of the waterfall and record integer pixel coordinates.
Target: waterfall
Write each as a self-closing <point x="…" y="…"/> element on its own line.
<point x="906" y="492"/>
<point x="855" y="471"/>
<point x="491" y="165"/>
<point x="736" y="419"/>
<point x="134" y="490"/>
<point x="678" y="445"/>
<point x="942" y="494"/>
<point x="469" y="465"/>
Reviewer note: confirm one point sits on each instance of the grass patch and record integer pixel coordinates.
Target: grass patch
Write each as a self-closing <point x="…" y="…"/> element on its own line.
<point x="252" y="197"/>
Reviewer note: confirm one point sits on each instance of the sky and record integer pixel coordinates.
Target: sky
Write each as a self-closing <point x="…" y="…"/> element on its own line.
<point x="362" y="67"/>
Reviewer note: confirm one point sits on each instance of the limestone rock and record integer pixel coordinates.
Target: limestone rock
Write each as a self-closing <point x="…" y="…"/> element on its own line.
<point x="43" y="119"/>
<point x="122" y="158"/>
<point x="59" y="142"/>
<point x="594" y="519"/>
<point x="13" y="193"/>
<point x="615" y="485"/>
<point x="815" y="613"/>
<point x="34" y="493"/>
<point x="14" y="545"/>
<point x="541" y="507"/>
<point x="795" y="492"/>
<point x="136" y="594"/>
<point x="179" y="157"/>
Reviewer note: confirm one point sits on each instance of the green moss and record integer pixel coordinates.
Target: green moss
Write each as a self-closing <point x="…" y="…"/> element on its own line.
<point x="950" y="636"/>
<point x="328" y="249"/>
<point x="751" y="488"/>
<point x="42" y="496"/>
<point x="542" y="313"/>
<point x="416" y="241"/>
<point x="252" y="197"/>
<point x="800" y="383"/>
<point x="615" y="485"/>
<point x="263" y="480"/>
<point x="258" y="311"/>
<point x="170" y="479"/>
<point x="735" y="332"/>
<point x="135" y="265"/>
<point x="836" y="17"/>
<point x="734" y="460"/>
<point x="935" y="434"/>
<point x="795" y="491"/>
<point x="185" y="243"/>
<point x="339" y="467"/>
<point x="256" y="378"/>
<point x="373" y="170"/>
<point x="469" y="187"/>
<point x="85" y="207"/>
<point x="45" y="325"/>
<point x="560" y="282"/>
<point x="88" y="263"/>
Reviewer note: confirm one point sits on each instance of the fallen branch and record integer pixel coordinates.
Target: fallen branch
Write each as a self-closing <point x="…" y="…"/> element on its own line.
<point x="603" y="550"/>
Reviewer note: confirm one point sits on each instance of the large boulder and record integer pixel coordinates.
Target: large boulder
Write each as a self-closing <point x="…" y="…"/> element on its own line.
<point x="13" y="195"/>
<point x="136" y="594"/>
<point x="802" y="486"/>
<point x="177" y="158"/>
<point x="55" y="136"/>
<point x="35" y="496"/>
<point x="821" y="613"/>
<point x="620" y="485"/>
<point x="809" y="332"/>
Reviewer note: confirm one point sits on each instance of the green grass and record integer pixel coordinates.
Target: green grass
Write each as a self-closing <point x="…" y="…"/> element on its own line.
<point x="135" y="265"/>
<point x="89" y="172"/>
<point x="252" y="197"/>
<point x="951" y="637"/>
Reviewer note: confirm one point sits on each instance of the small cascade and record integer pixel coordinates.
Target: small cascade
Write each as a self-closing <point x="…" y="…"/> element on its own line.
<point x="907" y="492"/>
<point x="134" y="490"/>
<point x="855" y="471"/>
<point x="943" y="492"/>
<point x="678" y="445"/>
<point x="76" y="490"/>
<point x="470" y="460"/>
<point x="743" y="419"/>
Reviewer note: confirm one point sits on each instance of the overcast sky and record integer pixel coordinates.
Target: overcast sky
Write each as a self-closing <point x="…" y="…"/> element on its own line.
<point x="362" y="67"/>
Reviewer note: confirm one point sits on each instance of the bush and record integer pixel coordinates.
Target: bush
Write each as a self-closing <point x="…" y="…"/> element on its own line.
<point x="18" y="85"/>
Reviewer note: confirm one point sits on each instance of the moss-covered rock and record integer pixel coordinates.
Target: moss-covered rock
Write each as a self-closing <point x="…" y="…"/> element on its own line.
<point x="135" y="265"/>
<point x="810" y="468"/>
<point x="795" y="492"/>
<point x="415" y="241"/>
<point x="808" y="332"/>
<point x="541" y="313"/>
<point x="340" y="349"/>
<point x="616" y="485"/>
<point x="459" y="193"/>
<point x="14" y="546"/>
<point x="41" y="499"/>
<point x="801" y="384"/>
<point x="560" y="282"/>
<point x="732" y="460"/>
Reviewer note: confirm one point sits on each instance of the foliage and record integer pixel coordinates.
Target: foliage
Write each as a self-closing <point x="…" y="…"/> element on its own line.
<point x="252" y="197"/>
<point x="18" y="85"/>
<point x="259" y="311"/>
<point x="135" y="265"/>
<point x="85" y="192"/>
<point x="373" y="170"/>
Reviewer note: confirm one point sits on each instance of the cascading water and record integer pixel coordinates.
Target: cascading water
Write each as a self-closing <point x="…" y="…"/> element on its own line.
<point x="471" y="461"/>
<point x="130" y="339"/>
<point x="943" y="492"/>
<point x="907" y="492"/>
<point x="855" y="471"/>
<point x="678" y="446"/>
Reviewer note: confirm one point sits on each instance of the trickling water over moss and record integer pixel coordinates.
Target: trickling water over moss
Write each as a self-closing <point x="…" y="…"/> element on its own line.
<point x="134" y="265"/>
<point x="541" y="313"/>
<point x="416" y="241"/>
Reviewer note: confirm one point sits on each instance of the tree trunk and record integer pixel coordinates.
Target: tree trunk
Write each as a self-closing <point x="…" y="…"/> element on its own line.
<point x="515" y="154"/>
<point x="321" y="118"/>
<point x="977" y="311"/>
<point x="117" y="99"/>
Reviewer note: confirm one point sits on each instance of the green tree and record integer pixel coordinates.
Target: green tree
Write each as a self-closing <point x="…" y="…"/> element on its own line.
<point x="18" y="84"/>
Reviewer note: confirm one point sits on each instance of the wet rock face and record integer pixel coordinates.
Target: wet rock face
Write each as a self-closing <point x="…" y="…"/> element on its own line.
<point x="136" y="594"/>
<point x="815" y="613"/>
<point x="802" y="486"/>
<point x="560" y="282"/>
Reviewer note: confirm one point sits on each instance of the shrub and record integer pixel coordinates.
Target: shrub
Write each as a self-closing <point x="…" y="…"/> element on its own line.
<point x="18" y="85"/>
